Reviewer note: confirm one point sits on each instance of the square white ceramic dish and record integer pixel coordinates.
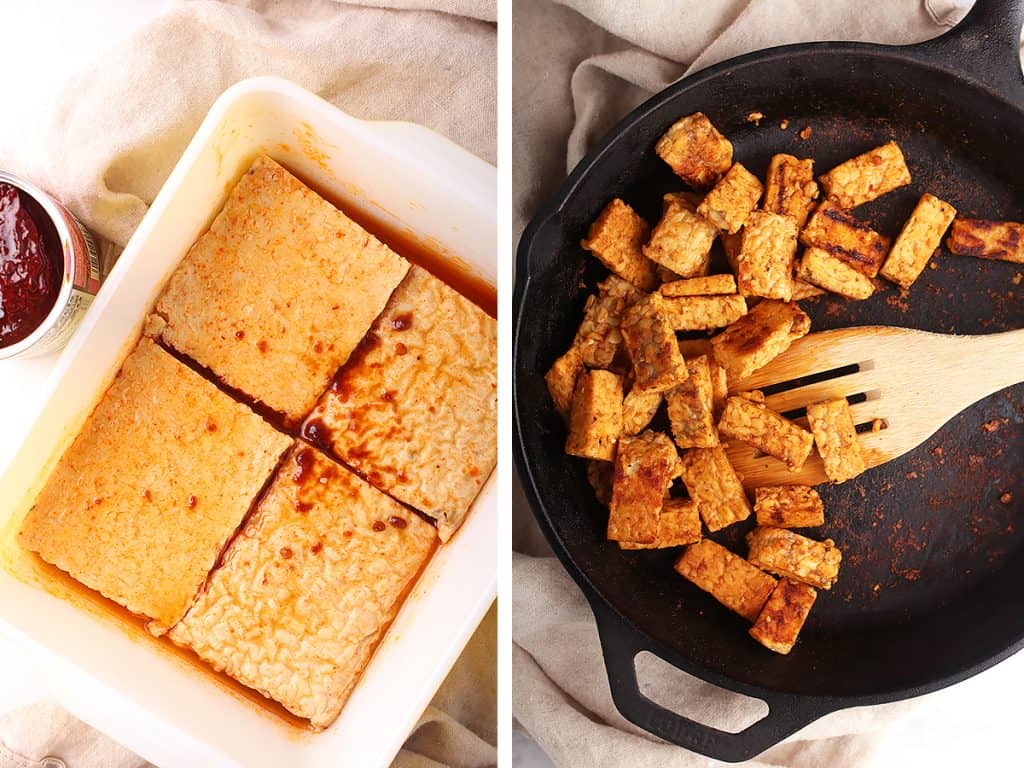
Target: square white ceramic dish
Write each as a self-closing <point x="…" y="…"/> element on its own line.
<point x="155" y="702"/>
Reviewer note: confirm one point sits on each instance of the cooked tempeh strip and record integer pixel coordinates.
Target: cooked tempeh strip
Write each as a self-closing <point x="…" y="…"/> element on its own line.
<point x="984" y="239"/>
<point x="710" y="285"/>
<point x="731" y="201"/>
<point x="821" y="268"/>
<point x="651" y="342"/>
<point x="786" y="553"/>
<point x="691" y="407"/>
<point x="678" y="525"/>
<point x="836" y="437"/>
<point x="846" y="238"/>
<point x="561" y="380"/>
<point x="768" y="250"/>
<point x="638" y="409"/>
<point x="595" y="421"/>
<point x="682" y="240"/>
<point x="783" y="616"/>
<point x="599" y="338"/>
<point x="759" y="337"/>
<point x="789" y="506"/>
<point x="919" y="239"/>
<point x="644" y="467"/>
<point x="731" y="580"/>
<point x="790" y="188"/>
<point x="695" y="150"/>
<point x="867" y="177"/>
<point x="804" y="290"/>
<point x="719" y="377"/>
<point x="600" y="475"/>
<point x="704" y="313"/>
<point x="616" y="239"/>
<point x="713" y="483"/>
<point x="757" y="425"/>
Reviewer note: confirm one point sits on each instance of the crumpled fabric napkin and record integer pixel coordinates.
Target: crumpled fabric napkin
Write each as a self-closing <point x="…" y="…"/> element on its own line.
<point x="579" y="66"/>
<point x="114" y="133"/>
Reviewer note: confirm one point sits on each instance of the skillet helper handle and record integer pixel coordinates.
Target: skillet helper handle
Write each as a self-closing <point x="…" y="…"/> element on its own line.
<point x="621" y="643"/>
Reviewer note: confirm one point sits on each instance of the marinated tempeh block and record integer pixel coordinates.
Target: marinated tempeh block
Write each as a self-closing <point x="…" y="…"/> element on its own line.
<point x="595" y="422"/>
<point x="561" y="379"/>
<point x="786" y="553"/>
<point x="681" y="242"/>
<point x="790" y="189"/>
<point x="731" y="580"/>
<point x="836" y="231"/>
<point x="783" y="616"/>
<point x="759" y="337"/>
<point x="836" y="437"/>
<point x="695" y="150"/>
<point x="789" y="506"/>
<point x="804" y="290"/>
<point x="732" y="199"/>
<point x="919" y="239"/>
<point x="638" y="409"/>
<point x="691" y="407"/>
<point x="704" y="313"/>
<point x="1000" y="240"/>
<point x="600" y="475"/>
<point x="678" y="525"/>
<point x="719" y="376"/>
<point x="767" y="252"/>
<point x="616" y="239"/>
<point x="821" y="268"/>
<point x="710" y="285"/>
<point x="867" y="177"/>
<point x="758" y="425"/>
<point x="651" y="342"/>
<point x="599" y="337"/>
<point x="644" y="466"/>
<point x="713" y="483"/>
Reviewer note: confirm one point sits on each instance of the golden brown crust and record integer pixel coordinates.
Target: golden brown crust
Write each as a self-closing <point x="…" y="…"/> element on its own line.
<point x="599" y="337"/>
<point x="787" y="553"/>
<point x="709" y="285"/>
<point x="678" y="525"/>
<point x="595" y="421"/>
<point x="682" y="240"/>
<point x="918" y="240"/>
<point x="616" y="239"/>
<point x="767" y="252"/>
<point x="836" y="231"/>
<point x="704" y="313"/>
<point x="644" y="466"/>
<point x="821" y="268"/>
<point x="732" y="199"/>
<point x="866" y="177"/>
<point x="804" y="290"/>
<point x="984" y="239"/>
<point x="790" y="189"/>
<point x="783" y="616"/>
<point x="695" y="150"/>
<point x="731" y="580"/>
<point x="836" y="437"/>
<point x="758" y="425"/>
<point x="561" y="379"/>
<point x="789" y="506"/>
<point x="652" y="346"/>
<point x="713" y="483"/>
<point x="638" y="408"/>
<point x="691" y="407"/>
<point x="759" y="337"/>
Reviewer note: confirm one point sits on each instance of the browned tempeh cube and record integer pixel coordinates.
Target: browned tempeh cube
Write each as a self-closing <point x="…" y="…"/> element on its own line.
<point x="866" y="177"/>
<point x="836" y="436"/>
<point x="731" y="201"/>
<point x="638" y="409"/>
<point x="595" y="421"/>
<point x="759" y="337"/>
<point x="821" y="268"/>
<point x="644" y="467"/>
<point x="695" y="150"/>
<point x="678" y="524"/>
<point x="600" y="475"/>
<point x="789" y="506"/>
<point x="853" y="241"/>
<point x="616" y="238"/>
<point x="920" y="237"/>
<point x="790" y="188"/>
<point x="599" y="338"/>
<point x="1001" y="240"/>
<point x="731" y="580"/>
<point x="783" y="616"/>
<point x="758" y="425"/>
<point x="719" y="376"/>
<point x="561" y="379"/>
<point x="682" y="240"/>
<point x="804" y="290"/>
<point x="714" y="485"/>
<point x="652" y="346"/>
<point x="704" y="313"/>
<point x="688" y="200"/>
<point x="768" y="250"/>
<point x="786" y="553"/>
<point x="711" y="285"/>
<point x="691" y="407"/>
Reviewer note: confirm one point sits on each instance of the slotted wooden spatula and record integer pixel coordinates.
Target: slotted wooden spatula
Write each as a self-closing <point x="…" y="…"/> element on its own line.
<point x="912" y="382"/>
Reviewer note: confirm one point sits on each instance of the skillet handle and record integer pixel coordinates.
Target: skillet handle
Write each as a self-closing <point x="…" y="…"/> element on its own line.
<point x="621" y="643"/>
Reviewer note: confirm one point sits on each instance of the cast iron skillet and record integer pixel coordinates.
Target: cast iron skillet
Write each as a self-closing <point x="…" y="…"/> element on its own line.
<point x="929" y="593"/>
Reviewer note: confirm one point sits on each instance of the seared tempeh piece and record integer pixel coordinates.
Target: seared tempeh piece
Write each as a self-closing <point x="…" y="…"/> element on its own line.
<point x="710" y="285"/>
<point x="652" y="346"/>
<point x="595" y="422"/>
<point x="719" y="377"/>
<point x="757" y="425"/>
<point x="731" y="201"/>
<point x="644" y="467"/>
<point x="853" y="241"/>
<point x="691" y="407"/>
<point x="786" y="553"/>
<point x="695" y="150"/>
<point x="920" y="237"/>
<point x="688" y="200"/>
<point x="836" y="436"/>
<point x="682" y="240"/>
<point x="1001" y="240"/>
<point x="759" y="337"/>
<point x="599" y="338"/>
<point x="789" y="506"/>
<point x="678" y="524"/>
<point x="561" y="379"/>
<point x="731" y="580"/>
<point x="600" y="475"/>
<point x="616" y="238"/>
<point x="638" y="409"/>
<point x="715" y="486"/>
<point x="821" y="268"/>
<point x="804" y="290"/>
<point x="783" y="616"/>
<point x="790" y="189"/>
<point x="768" y="250"/>
<point x="704" y="313"/>
<point x="866" y="177"/>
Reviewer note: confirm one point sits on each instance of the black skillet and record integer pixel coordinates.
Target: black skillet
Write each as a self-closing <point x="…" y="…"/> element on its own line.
<point x="930" y="592"/>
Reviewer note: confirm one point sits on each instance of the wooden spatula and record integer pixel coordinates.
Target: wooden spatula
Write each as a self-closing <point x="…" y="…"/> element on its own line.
<point x="909" y="383"/>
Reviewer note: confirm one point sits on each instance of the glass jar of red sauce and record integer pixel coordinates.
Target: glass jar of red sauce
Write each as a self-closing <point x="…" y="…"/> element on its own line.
<point x="49" y="270"/>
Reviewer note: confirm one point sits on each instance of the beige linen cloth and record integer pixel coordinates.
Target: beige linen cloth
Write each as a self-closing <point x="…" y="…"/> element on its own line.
<point x="116" y="130"/>
<point x="579" y="66"/>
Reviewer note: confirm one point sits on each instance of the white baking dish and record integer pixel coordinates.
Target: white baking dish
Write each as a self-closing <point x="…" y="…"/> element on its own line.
<point x="153" y="700"/>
